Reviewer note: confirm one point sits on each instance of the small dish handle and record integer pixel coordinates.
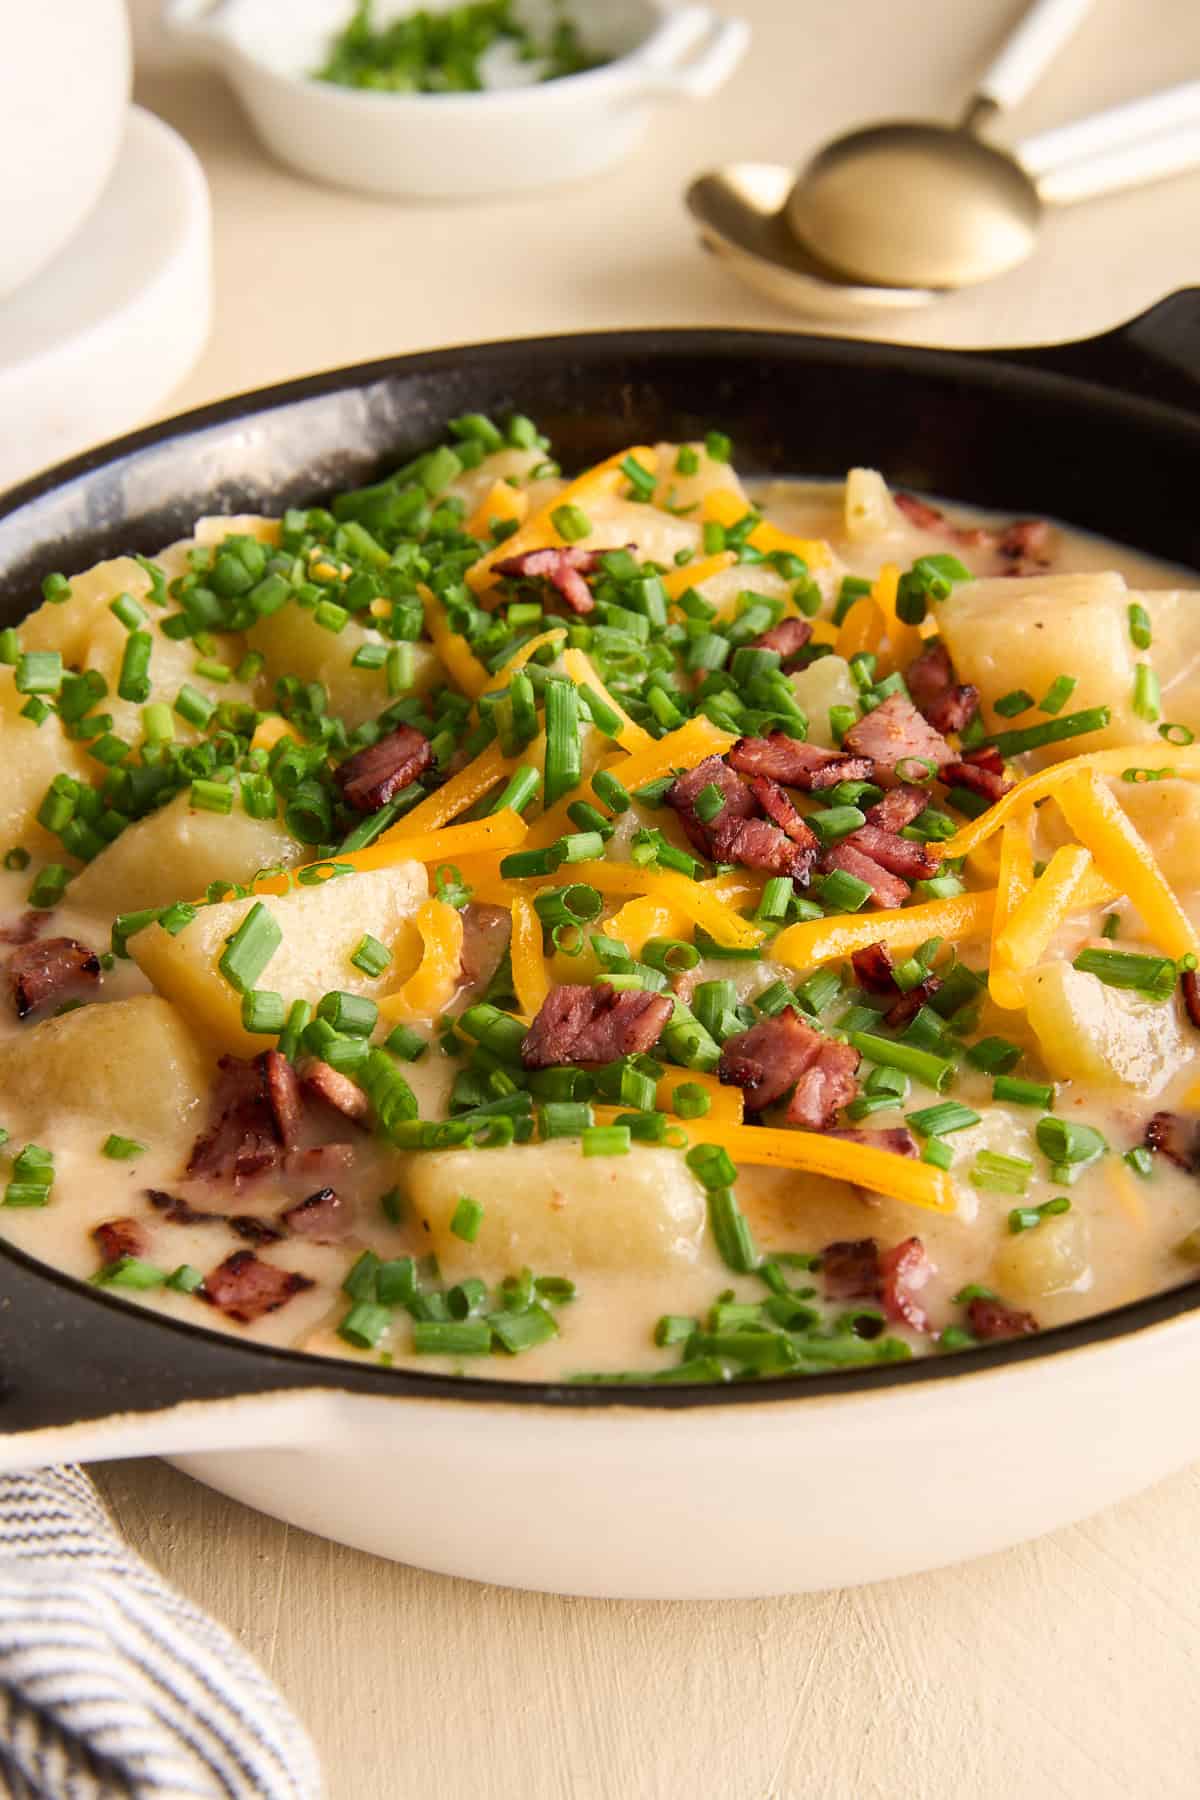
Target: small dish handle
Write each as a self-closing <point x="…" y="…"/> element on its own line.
<point x="696" y="51"/>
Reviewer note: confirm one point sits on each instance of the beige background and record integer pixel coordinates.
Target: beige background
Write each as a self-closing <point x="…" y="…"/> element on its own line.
<point x="1067" y="1668"/>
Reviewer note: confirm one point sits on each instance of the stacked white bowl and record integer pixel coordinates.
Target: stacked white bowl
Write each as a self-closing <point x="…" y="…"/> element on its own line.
<point x="105" y="262"/>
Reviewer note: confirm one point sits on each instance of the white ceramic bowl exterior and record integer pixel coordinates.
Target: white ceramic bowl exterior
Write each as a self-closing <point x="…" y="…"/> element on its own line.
<point x="99" y="339"/>
<point x="701" y="1502"/>
<point x="64" y="88"/>
<point x="459" y="146"/>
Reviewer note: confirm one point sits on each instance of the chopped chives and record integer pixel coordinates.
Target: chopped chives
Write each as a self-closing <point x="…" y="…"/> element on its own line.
<point x="1035" y="737"/>
<point x="130" y="1272"/>
<point x="405" y="1043"/>
<point x="517" y="1331"/>
<point x="121" y="1149"/>
<point x="922" y="1065"/>
<point x="1068" y="1144"/>
<point x="1176" y="734"/>
<point x="1139" y="626"/>
<point x="1018" y="701"/>
<point x="1111" y="926"/>
<point x="571" y="523"/>
<point x="371" y="956"/>
<point x="39" y="672"/>
<point x="126" y="609"/>
<point x="56" y="589"/>
<point x="994" y="1055"/>
<point x="709" y="803"/>
<point x="605" y="1140"/>
<point x="563" y="761"/>
<point x="1147" y="699"/>
<point x="841" y="892"/>
<point x="1022" y="1093"/>
<point x="1058" y="693"/>
<point x="674" y="1328"/>
<point x="613" y="793"/>
<point x="1140" y="1160"/>
<point x="731" y="1233"/>
<point x="717" y="446"/>
<point x="640" y="479"/>
<point x="999" y="1174"/>
<point x="250" y="948"/>
<point x="712" y="1166"/>
<point x="353" y="1014"/>
<point x="452" y="1337"/>
<point x="194" y="706"/>
<point x="564" y="1118"/>
<point x="1153" y="976"/>
<point x="939" y="1121"/>
<point x="365" y="1324"/>
<point x="263" y="1012"/>
<point x="185" y="1279"/>
<point x="299" y="1016"/>
<point x="1025" y="1218"/>
<point x="690" y="1101"/>
<point x="519" y="790"/>
<point x="938" y="1153"/>
<point x="211" y="796"/>
<point x="158" y="727"/>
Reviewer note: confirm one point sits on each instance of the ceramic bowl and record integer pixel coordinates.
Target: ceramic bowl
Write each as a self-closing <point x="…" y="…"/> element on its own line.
<point x="781" y="1486"/>
<point x="59" y="142"/>
<point x="459" y="146"/>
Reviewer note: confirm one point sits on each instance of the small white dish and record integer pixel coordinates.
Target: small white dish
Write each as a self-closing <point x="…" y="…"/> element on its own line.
<point x="459" y="146"/>
<point x="58" y="144"/>
<point x="102" y="335"/>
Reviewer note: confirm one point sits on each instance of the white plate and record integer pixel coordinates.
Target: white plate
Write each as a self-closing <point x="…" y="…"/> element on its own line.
<point x="101" y="336"/>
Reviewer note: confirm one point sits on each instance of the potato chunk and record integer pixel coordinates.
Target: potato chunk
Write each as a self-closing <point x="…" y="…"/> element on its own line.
<point x="548" y="1206"/>
<point x="1102" y="1035"/>
<point x="294" y="644"/>
<point x="1023" y="632"/>
<point x="131" y="1065"/>
<point x="1049" y="1259"/>
<point x="172" y="663"/>
<point x="321" y="928"/>
<point x="870" y="512"/>
<point x="174" y="854"/>
<point x="825" y="683"/>
<point x="69" y="626"/>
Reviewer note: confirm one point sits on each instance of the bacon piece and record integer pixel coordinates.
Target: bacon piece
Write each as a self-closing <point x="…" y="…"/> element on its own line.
<point x="789" y="638"/>
<point x="27" y="927"/>
<point x="898" y="808"/>
<point x="919" y="512"/>
<point x="681" y="796"/>
<point x="777" y="805"/>
<point x="283" y="1096"/>
<point x="931" y="682"/>
<point x="335" y="1089"/>
<point x="253" y="1229"/>
<point x="899" y="856"/>
<point x="564" y="568"/>
<point x="825" y="1088"/>
<point x="1189" y="987"/>
<point x="894" y="733"/>
<point x="373" y="776"/>
<point x="897" y="1139"/>
<point x="117" y="1238"/>
<point x="769" y="1059"/>
<point x="178" y="1211"/>
<point x="977" y="778"/>
<point x="244" y="1287"/>
<point x="243" y="1137"/>
<point x="850" y="1269"/>
<point x="321" y="1162"/>
<point x="1175" y="1138"/>
<point x="797" y="764"/>
<point x="1027" y="541"/>
<point x="909" y="1005"/>
<point x="50" y="969"/>
<point x="990" y="1319"/>
<point x="486" y="932"/>
<point x="887" y="891"/>
<point x="904" y="1270"/>
<point x="324" y="1217"/>
<point x="757" y="844"/>
<point x="874" y="969"/>
<point x="594" y="1024"/>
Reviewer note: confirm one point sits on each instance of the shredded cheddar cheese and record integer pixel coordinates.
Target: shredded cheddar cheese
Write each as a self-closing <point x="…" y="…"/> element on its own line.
<point x="1030" y="928"/>
<point x="498" y="832"/>
<point x="817" y="941"/>
<point x="1184" y="761"/>
<point x="530" y="978"/>
<point x="461" y="792"/>
<point x="724" y="507"/>
<point x="1125" y="858"/>
<point x="502" y="501"/>
<point x="863" y="1165"/>
<point x="519" y="658"/>
<point x="644" y="918"/>
<point x="269" y="731"/>
<point x="580" y="668"/>
<point x="688" y="898"/>
<point x="459" y="661"/>
<point x="694" y="574"/>
<point x="438" y="976"/>
<point x="862" y="629"/>
<point x="1014" y="880"/>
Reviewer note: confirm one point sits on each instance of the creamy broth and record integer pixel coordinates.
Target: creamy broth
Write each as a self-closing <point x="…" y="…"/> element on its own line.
<point x="630" y="1232"/>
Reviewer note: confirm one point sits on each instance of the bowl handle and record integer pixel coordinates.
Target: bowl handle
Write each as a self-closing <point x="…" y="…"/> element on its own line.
<point x="693" y="54"/>
<point x="1155" y="356"/>
<point x="84" y="1377"/>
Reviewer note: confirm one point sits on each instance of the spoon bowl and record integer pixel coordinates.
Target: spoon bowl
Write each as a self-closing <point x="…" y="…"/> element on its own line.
<point x="740" y="210"/>
<point x="915" y="206"/>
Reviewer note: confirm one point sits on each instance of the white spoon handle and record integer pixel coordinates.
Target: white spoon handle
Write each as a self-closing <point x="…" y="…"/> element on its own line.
<point x="1151" y="116"/>
<point x="1037" y="40"/>
<point x="1126" y="166"/>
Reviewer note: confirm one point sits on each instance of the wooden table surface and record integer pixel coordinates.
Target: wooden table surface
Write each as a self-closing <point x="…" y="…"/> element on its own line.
<point x="1065" y="1668"/>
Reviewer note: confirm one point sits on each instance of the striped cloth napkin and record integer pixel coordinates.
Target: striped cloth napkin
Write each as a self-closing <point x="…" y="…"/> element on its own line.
<point x="112" y="1684"/>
